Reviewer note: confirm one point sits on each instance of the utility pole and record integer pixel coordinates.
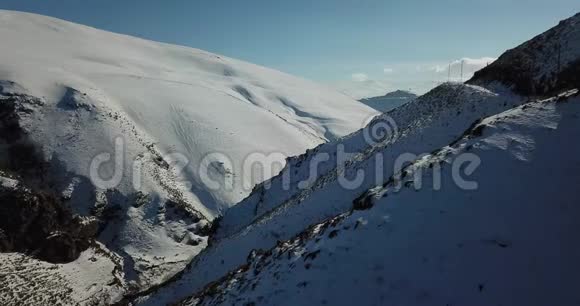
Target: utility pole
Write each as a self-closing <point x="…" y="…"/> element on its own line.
<point x="461" y="71"/>
<point x="449" y="73"/>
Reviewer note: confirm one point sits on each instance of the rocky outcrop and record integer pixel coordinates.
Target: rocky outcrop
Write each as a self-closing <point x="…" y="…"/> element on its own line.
<point x="543" y="66"/>
<point x="17" y="153"/>
<point x="33" y="219"/>
<point x="37" y="223"/>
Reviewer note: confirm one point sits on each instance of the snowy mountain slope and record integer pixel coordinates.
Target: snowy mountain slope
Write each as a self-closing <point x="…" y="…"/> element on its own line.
<point x="285" y="209"/>
<point x="419" y="127"/>
<point x="74" y="95"/>
<point x="506" y="243"/>
<point x="544" y="65"/>
<point x="389" y="101"/>
<point x="154" y="230"/>
<point x="428" y="122"/>
<point x="311" y="187"/>
<point x="92" y="279"/>
<point x="63" y="107"/>
<point x="48" y="256"/>
<point x="185" y="100"/>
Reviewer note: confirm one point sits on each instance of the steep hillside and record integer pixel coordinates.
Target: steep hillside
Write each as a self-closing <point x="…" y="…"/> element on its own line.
<point x="420" y="126"/>
<point x="321" y="184"/>
<point x="48" y="256"/>
<point x="505" y="243"/>
<point x="148" y="139"/>
<point x="546" y="64"/>
<point x="92" y="279"/>
<point x="329" y="180"/>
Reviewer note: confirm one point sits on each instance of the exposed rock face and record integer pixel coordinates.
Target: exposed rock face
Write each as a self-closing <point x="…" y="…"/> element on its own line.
<point x="32" y="219"/>
<point x="543" y="66"/>
<point x="39" y="224"/>
<point x="17" y="153"/>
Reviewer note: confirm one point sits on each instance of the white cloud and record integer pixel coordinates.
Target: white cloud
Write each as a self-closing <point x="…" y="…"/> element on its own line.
<point x="470" y="66"/>
<point x="439" y="72"/>
<point x="359" y="77"/>
<point x="437" y="68"/>
<point x="388" y="70"/>
<point x="475" y="62"/>
<point x="418" y="77"/>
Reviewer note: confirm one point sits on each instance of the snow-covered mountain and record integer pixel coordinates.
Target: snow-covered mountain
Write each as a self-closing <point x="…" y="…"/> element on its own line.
<point x="375" y="217"/>
<point x="179" y="99"/>
<point x="134" y="134"/>
<point x="508" y="243"/>
<point x="389" y="101"/>
<point x="295" y="199"/>
<point x="266" y="248"/>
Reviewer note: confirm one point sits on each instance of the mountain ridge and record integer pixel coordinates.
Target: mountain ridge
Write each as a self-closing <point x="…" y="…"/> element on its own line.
<point x="390" y="100"/>
<point x="544" y="65"/>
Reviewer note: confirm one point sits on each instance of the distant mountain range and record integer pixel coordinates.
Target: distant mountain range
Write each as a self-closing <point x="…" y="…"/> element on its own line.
<point x="389" y="101"/>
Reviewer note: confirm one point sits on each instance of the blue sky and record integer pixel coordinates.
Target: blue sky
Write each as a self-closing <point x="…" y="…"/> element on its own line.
<point x="363" y="47"/>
